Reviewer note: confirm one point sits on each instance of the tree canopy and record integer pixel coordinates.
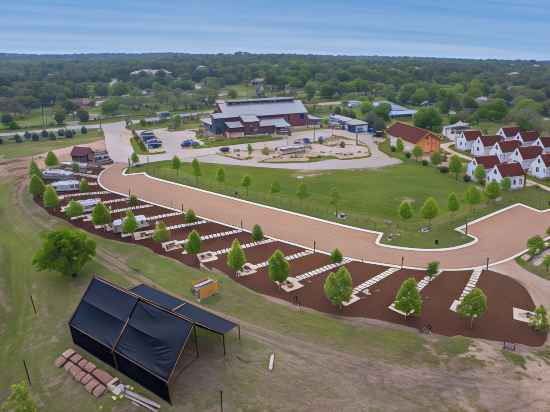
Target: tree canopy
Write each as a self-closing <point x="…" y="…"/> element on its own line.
<point x="236" y="257"/>
<point x="473" y="305"/>
<point x="338" y="286"/>
<point x="408" y="298"/>
<point x="278" y="268"/>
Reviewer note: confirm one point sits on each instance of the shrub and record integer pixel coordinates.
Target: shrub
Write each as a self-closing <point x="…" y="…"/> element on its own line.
<point x="257" y="233"/>
<point x="393" y="149"/>
<point x="83" y="130"/>
<point x="84" y="186"/>
<point x="425" y="162"/>
<point x="444" y="169"/>
<point x="52" y="136"/>
<point x="190" y="216"/>
<point x="467" y="178"/>
<point x="51" y="159"/>
<point x="44" y="133"/>
<point x="69" y="134"/>
<point x="74" y="209"/>
<point x="35" y="137"/>
<point x="18" y="139"/>
<point x="61" y="132"/>
<point x="336" y="256"/>
<point x="75" y="167"/>
<point x="408" y="155"/>
<point x="50" y="199"/>
<point x="1" y="141"/>
<point x="36" y="186"/>
<point x="27" y="135"/>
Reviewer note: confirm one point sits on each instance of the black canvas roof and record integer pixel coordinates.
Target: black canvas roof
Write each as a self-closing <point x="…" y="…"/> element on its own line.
<point x="196" y="314"/>
<point x="154" y="338"/>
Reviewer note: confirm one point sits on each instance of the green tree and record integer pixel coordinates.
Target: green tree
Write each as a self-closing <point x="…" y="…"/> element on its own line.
<point x="338" y="287"/>
<point x="408" y="298"/>
<point x="36" y="186"/>
<point x="84" y="186"/>
<point x="479" y="174"/>
<point x="75" y="167"/>
<point x="455" y="165"/>
<point x="436" y="158"/>
<point x="275" y="187"/>
<point x="59" y="116"/>
<point x="492" y="190"/>
<point x="19" y="399"/>
<point x="432" y="269"/>
<point x="133" y="201"/>
<point x="74" y="209"/>
<point x="336" y="256"/>
<point x="417" y="152"/>
<point x="220" y="176"/>
<point x="65" y="251"/>
<point x="193" y="243"/>
<point x="190" y="216"/>
<point x="535" y="244"/>
<point x="176" y="164"/>
<point x="452" y="203"/>
<point x="134" y="158"/>
<point x="335" y="199"/>
<point x="405" y="210"/>
<point x="129" y="224"/>
<point x="473" y="305"/>
<point x="246" y="182"/>
<point x="101" y="215"/>
<point x="506" y="184"/>
<point x="257" y="233"/>
<point x="249" y="149"/>
<point x="83" y="115"/>
<point x="196" y="170"/>
<point x="428" y="118"/>
<point x="34" y="170"/>
<point x="49" y="198"/>
<point x="278" y="268"/>
<point x="302" y="192"/>
<point x="399" y="146"/>
<point x="430" y="209"/>
<point x="161" y="234"/>
<point x="473" y="196"/>
<point x="51" y="159"/>
<point x="539" y="321"/>
<point x="546" y="262"/>
<point x="236" y="257"/>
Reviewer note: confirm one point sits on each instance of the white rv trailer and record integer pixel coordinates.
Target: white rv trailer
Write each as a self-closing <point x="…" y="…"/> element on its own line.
<point x="140" y="219"/>
<point x="57" y="174"/>
<point x="66" y="185"/>
<point x="89" y="204"/>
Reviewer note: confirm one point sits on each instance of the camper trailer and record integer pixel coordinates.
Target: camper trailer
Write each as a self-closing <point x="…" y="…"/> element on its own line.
<point x="140" y="219"/>
<point x="204" y="288"/>
<point x="57" y="174"/>
<point x="89" y="204"/>
<point x="66" y="185"/>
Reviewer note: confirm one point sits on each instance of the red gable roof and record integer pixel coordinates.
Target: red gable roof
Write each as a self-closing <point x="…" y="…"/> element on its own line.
<point x="81" y="151"/>
<point x="510" y="131"/>
<point x="530" y="152"/>
<point x="488" y="162"/>
<point x="509" y="146"/>
<point x="530" y="136"/>
<point x="490" y="140"/>
<point x="546" y="159"/>
<point x="471" y="135"/>
<point x="409" y="133"/>
<point x="545" y="141"/>
<point x="510" y="169"/>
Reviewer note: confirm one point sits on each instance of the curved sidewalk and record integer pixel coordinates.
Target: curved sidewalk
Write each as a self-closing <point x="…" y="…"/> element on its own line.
<point x="499" y="236"/>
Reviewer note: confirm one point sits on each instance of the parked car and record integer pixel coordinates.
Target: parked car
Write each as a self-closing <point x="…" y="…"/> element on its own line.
<point x="307" y="140"/>
<point x="224" y="149"/>
<point x="190" y="143"/>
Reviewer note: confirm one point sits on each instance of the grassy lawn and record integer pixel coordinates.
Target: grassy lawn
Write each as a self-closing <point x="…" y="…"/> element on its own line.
<point x="370" y="197"/>
<point x="40" y="338"/>
<point x="138" y="146"/>
<point x="539" y="270"/>
<point x="219" y="142"/>
<point x="10" y="149"/>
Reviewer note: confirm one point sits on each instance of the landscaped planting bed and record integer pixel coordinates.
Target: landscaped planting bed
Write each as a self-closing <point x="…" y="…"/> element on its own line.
<point x="503" y="293"/>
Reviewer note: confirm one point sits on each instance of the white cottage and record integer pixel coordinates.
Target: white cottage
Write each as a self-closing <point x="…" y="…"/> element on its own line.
<point x="527" y="138"/>
<point x="453" y="131"/>
<point x="513" y="171"/>
<point x="504" y="150"/>
<point x="508" y="133"/>
<point x="466" y="139"/>
<point x="540" y="167"/>
<point x="483" y="145"/>
<point x="526" y="155"/>
<point x="544" y="144"/>
<point x="488" y="162"/>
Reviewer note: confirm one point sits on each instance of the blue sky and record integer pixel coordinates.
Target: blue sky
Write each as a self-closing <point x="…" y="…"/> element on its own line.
<point x="511" y="29"/>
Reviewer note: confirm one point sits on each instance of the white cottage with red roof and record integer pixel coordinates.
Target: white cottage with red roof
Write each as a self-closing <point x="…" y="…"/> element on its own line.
<point x="508" y="133"/>
<point x="488" y="162"/>
<point x="504" y="149"/>
<point x="466" y="139"/>
<point x="525" y="155"/>
<point x="512" y="171"/>
<point x="544" y="144"/>
<point x="540" y="167"/>
<point x="483" y="145"/>
<point x="527" y="138"/>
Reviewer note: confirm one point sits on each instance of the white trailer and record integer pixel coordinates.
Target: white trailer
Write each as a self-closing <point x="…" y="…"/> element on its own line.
<point x="140" y="219"/>
<point x="66" y="185"/>
<point x="89" y="204"/>
<point x="57" y="174"/>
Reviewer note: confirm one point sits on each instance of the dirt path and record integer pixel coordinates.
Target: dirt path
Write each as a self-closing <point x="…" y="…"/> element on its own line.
<point x="500" y="236"/>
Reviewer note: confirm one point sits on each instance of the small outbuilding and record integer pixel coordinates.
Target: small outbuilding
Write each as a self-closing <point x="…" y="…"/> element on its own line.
<point x="82" y="154"/>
